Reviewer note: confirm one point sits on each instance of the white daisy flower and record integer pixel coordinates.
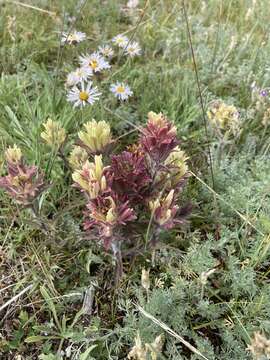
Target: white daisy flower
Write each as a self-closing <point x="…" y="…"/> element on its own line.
<point x="132" y="4"/>
<point x="106" y="51"/>
<point x="121" y="91"/>
<point x="83" y="94"/>
<point x="120" y="40"/>
<point x="73" y="37"/>
<point x="79" y="75"/>
<point x="95" y="61"/>
<point x="133" y="49"/>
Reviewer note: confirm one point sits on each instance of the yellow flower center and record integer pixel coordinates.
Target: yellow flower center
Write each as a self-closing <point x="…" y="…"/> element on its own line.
<point x="120" y="89"/>
<point x="93" y="64"/>
<point x="83" y="96"/>
<point x="71" y="38"/>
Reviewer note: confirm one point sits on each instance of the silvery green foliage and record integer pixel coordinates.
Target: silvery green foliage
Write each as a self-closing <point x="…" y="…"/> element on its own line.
<point x="219" y="316"/>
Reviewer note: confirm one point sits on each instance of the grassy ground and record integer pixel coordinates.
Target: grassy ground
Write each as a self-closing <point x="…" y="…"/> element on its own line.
<point x="58" y="317"/>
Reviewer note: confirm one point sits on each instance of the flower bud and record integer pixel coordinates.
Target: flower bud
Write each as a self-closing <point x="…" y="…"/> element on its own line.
<point x="78" y="157"/>
<point x="145" y="280"/>
<point x="54" y="135"/>
<point x="13" y="155"/>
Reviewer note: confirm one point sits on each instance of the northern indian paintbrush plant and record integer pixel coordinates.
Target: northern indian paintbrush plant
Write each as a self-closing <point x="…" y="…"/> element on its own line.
<point x="127" y="195"/>
<point x="127" y="192"/>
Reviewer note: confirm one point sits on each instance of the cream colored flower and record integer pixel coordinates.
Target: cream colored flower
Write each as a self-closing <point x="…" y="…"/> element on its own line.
<point x="138" y="352"/>
<point x="177" y="166"/>
<point x="13" y="154"/>
<point x="78" y="157"/>
<point x="224" y="117"/>
<point x="164" y="204"/>
<point x="54" y="135"/>
<point x="156" y="346"/>
<point x="91" y="177"/>
<point x="97" y="135"/>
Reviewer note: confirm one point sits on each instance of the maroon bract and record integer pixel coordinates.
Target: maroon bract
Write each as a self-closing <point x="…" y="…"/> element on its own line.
<point x="131" y="178"/>
<point x="158" y="139"/>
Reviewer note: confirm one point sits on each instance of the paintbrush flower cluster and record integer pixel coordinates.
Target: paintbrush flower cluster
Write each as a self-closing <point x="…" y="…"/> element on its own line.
<point x="224" y="118"/>
<point x="23" y="183"/>
<point x="140" y="185"/>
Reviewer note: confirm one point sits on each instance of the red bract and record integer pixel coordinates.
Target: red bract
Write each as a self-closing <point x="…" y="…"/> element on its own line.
<point x="107" y="213"/>
<point x="23" y="183"/>
<point x="158" y="139"/>
<point x="130" y="175"/>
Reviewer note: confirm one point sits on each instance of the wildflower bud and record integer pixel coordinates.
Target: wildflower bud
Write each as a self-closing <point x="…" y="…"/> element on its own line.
<point x="164" y="210"/>
<point x="266" y="117"/>
<point x="169" y="199"/>
<point x="204" y="276"/>
<point x="13" y="155"/>
<point x="111" y="215"/>
<point x="96" y="137"/>
<point x="145" y="280"/>
<point x="78" y="157"/>
<point x="138" y="352"/>
<point x="54" y="135"/>
<point x="156" y="346"/>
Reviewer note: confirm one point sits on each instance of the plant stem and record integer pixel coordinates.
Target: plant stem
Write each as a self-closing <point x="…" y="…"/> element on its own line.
<point x="42" y="224"/>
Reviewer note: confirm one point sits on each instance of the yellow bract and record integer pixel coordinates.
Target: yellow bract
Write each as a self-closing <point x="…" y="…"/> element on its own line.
<point x="54" y="135"/>
<point x="177" y="165"/>
<point x="223" y="116"/>
<point x="141" y="351"/>
<point x="13" y="154"/>
<point x="78" y="157"/>
<point x="156" y="118"/>
<point x="97" y="135"/>
<point x="160" y="121"/>
<point x="91" y="178"/>
<point x="163" y="203"/>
